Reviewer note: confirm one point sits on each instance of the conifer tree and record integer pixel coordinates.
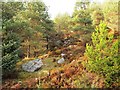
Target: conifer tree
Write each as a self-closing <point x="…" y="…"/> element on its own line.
<point x="10" y="40"/>
<point x="103" y="55"/>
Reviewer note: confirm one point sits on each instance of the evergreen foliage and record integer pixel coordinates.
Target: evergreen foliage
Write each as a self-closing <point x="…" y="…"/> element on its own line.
<point x="103" y="55"/>
<point x="10" y="39"/>
<point x="10" y="53"/>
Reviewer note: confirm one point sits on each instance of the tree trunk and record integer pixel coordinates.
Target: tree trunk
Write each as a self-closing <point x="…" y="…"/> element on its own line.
<point x="47" y="46"/>
<point x="36" y="52"/>
<point x="28" y="48"/>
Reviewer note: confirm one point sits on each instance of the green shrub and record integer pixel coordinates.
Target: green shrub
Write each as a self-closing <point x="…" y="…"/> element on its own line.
<point x="103" y="55"/>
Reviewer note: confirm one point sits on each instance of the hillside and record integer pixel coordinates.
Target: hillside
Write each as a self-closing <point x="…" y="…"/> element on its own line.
<point x="72" y="51"/>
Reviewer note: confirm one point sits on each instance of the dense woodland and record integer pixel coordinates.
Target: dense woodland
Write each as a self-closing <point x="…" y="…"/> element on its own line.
<point x="88" y="38"/>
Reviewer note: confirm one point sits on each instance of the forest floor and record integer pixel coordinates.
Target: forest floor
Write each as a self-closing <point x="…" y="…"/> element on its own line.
<point x="70" y="74"/>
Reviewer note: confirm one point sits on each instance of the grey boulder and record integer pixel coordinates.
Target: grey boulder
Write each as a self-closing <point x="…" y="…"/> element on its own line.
<point x="32" y="66"/>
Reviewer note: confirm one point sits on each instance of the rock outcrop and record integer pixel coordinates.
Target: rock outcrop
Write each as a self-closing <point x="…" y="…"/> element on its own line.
<point x="32" y="66"/>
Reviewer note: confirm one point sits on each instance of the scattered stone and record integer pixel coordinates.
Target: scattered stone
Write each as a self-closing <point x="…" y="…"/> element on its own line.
<point x="62" y="54"/>
<point x="60" y="61"/>
<point x="33" y="65"/>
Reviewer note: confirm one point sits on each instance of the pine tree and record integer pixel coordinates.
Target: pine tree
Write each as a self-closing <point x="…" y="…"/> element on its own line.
<point x="103" y="55"/>
<point x="10" y="52"/>
<point x="10" y="40"/>
<point x="81" y="17"/>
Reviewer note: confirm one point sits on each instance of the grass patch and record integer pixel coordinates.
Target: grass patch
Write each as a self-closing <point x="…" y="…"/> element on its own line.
<point x="48" y="65"/>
